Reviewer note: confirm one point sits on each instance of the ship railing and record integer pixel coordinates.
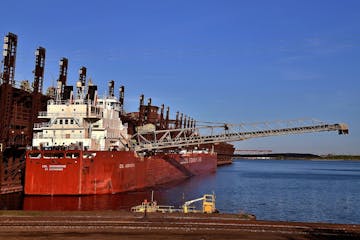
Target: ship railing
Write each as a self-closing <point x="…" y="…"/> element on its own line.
<point x="57" y="137"/>
<point x="71" y="101"/>
<point x="41" y="125"/>
<point x="73" y="114"/>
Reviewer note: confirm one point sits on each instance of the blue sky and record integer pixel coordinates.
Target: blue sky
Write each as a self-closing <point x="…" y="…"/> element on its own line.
<point x="220" y="61"/>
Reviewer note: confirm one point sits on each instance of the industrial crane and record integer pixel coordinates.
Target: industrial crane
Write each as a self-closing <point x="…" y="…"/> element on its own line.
<point x="154" y="140"/>
<point x="208" y="204"/>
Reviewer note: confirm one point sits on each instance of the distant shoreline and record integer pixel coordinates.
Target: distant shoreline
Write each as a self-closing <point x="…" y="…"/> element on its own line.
<point x="295" y="156"/>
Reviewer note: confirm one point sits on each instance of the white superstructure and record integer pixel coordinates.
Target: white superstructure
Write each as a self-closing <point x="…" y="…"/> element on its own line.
<point x="85" y="124"/>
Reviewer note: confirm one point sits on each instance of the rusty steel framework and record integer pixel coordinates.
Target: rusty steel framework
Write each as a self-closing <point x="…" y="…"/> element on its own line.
<point x="9" y="59"/>
<point x="19" y="108"/>
<point x="63" y="65"/>
<point x="7" y="83"/>
<point x="39" y="69"/>
<point x="81" y="83"/>
<point x="179" y="138"/>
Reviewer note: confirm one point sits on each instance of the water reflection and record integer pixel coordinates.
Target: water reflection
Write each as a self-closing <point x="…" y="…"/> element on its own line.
<point x="13" y="201"/>
<point x="309" y="191"/>
<point x="169" y="194"/>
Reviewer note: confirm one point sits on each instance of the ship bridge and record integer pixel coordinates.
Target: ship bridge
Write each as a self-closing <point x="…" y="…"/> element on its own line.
<point x="211" y="134"/>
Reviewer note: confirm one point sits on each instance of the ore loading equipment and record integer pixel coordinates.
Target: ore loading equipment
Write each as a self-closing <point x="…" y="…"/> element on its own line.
<point x="19" y="106"/>
<point x="205" y="135"/>
<point x="150" y="131"/>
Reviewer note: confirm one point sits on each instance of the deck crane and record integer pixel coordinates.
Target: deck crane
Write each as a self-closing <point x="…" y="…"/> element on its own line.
<point x="184" y="137"/>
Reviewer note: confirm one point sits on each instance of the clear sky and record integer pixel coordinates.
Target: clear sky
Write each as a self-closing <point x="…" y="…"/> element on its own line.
<point x="221" y="61"/>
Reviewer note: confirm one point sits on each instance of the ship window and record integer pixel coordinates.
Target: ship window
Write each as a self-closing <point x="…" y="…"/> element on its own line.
<point x="53" y="155"/>
<point x="61" y="121"/>
<point x="72" y="121"/>
<point x="35" y="155"/>
<point x="72" y="155"/>
<point x="62" y="109"/>
<point x="55" y="122"/>
<point x="66" y="121"/>
<point x="46" y="132"/>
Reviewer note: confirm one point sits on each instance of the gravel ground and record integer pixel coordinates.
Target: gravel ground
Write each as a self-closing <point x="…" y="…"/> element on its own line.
<point x="127" y="225"/>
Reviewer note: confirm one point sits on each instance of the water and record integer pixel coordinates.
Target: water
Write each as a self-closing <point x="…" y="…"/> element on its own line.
<point x="286" y="190"/>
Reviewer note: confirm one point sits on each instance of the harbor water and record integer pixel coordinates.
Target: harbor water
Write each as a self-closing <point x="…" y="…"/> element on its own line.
<point x="281" y="190"/>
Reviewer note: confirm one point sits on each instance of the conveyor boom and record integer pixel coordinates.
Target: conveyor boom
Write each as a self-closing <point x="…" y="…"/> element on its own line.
<point x="177" y="138"/>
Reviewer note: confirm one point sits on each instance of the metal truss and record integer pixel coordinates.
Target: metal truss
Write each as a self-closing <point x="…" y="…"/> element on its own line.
<point x="178" y="138"/>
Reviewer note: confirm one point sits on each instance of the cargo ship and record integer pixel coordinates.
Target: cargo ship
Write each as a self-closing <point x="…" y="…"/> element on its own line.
<point x="82" y="148"/>
<point x="75" y="143"/>
<point x="20" y="103"/>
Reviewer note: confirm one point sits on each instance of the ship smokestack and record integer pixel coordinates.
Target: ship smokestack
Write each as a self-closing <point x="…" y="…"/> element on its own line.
<point x="111" y="88"/>
<point x="9" y="58"/>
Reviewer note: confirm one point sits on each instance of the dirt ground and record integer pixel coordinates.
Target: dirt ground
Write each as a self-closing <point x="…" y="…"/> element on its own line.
<point x="127" y="225"/>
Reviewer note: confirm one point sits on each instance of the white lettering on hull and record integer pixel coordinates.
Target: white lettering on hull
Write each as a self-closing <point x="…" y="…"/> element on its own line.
<point x="191" y="160"/>
<point x="128" y="165"/>
<point x="53" y="167"/>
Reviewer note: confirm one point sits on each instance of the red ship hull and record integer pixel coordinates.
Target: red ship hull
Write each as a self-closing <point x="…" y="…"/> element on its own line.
<point x="74" y="172"/>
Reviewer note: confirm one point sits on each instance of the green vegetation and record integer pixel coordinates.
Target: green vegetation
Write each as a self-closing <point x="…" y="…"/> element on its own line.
<point x="289" y="156"/>
<point x="341" y="157"/>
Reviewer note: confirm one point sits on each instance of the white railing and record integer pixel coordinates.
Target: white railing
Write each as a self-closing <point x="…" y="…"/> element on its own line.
<point x="59" y="136"/>
<point x="41" y="125"/>
<point x="91" y="114"/>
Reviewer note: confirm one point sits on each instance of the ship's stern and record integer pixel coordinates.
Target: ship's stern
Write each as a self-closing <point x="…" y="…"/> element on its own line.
<point x="52" y="172"/>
